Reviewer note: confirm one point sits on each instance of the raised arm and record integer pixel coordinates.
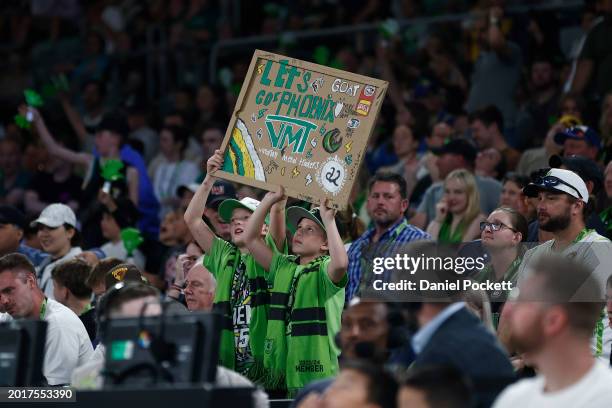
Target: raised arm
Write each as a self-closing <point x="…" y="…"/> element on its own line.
<point x="254" y="242"/>
<point x="54" y="148"/>
<point x="278" y="227"/>
<point x="74" y="118"/>
<point x="338" y="262"/>
<point x="193" y="215"/>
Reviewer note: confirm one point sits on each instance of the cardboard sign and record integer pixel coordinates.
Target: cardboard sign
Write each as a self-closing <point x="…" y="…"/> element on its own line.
<point x="301" y="125"/>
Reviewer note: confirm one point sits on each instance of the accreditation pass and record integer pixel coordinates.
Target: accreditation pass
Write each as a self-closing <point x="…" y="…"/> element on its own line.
<point x="37" y="394"/>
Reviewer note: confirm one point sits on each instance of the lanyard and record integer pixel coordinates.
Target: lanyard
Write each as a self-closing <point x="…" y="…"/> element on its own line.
<point x="87" y="309"/>
<point x="581" y="235"/>
<point x="43" y="309"/>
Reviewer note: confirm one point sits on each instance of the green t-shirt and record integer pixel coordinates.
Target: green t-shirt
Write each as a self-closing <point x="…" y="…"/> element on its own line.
<point x="240" y="299"/>
<point x="327" y="292"/>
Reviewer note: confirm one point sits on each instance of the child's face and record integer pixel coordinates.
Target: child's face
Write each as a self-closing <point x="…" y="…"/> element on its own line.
<point x="309" y="238"/>
<point x="238" y="223"/>
<point x="110" y="229"/>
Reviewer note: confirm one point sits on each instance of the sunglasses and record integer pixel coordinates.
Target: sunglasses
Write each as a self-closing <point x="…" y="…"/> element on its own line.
<point x="552" y="181"/>
<point x="494" y="226"/>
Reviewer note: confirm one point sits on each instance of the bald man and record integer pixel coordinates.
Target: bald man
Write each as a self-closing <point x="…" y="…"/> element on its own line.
<point x="200" y="288"/>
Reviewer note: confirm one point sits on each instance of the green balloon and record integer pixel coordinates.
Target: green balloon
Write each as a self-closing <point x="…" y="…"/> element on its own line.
<point x="111" y="170"/>
<point x="132" y="239"/>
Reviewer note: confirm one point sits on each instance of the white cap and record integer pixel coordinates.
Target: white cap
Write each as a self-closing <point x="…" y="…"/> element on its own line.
<point x="56" y="215"/>
<point x="566" y="181"/>
<point x="227" y="207"/>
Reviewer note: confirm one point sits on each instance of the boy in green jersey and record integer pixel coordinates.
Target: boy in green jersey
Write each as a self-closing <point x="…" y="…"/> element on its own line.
<point x="306" y="298"/>
<point x="242" y="291"/>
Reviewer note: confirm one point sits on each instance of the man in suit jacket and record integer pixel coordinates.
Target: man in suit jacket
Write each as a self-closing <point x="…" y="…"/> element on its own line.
<point x="450" y="334"/>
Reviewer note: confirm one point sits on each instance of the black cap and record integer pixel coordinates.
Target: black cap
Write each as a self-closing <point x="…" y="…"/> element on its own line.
<point x="460" y="147"/>
<point x="124" y="273"/>
<point x="11" y="215"/>
<point x="114" y="122"/>
<point x="221" y="190"/>
<point x="126" y="215"/>
<point x="585" y="168"/>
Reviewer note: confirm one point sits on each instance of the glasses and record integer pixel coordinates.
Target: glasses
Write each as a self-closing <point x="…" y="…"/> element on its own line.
<point x="552" y="181"/>
<point x="494" y="226"/>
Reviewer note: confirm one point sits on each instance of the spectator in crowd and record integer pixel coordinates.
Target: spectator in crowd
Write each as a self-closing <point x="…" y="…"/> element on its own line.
<point x="579" y="141"/>
<point x="594" y="62"/>
<point x="405" y="148"/>
<point x="175" y="170"/>
<point x="386" y="204"/>
<point x="303" y="356"/>
<point x="604" y="205"/>
<point x="185" y="193"/>
<point x="140" y="131"/>
<point x="456" y="154"/>
<point x="233" y="266"/>
<point x="212" y="137"/>
<point x="537" y="157"/>
<point x="359" y="384"/>
<point x="490" y="163"/>
<point x="70" y="290"/>
<point x="221" y="190"/>
<point x="512" y="196"/>
<point x="96" y="279"/>
<point x="562" y="209"/>
<point x="434" y="386"/>
<point x="534" y="118"/>
<point x="56" y="183"/>
<point x="116" y="216"/>
<point x="12" y="230"/>
<point x="86" y="125"/>
<point x="67" y="345"/>
<point x="134" y="185"/>
<point x="13" y="178"/>
<point x="497" y="70"/>
<point x="487" y="125"/>
<point x="58" y="235"/>
<point x="458" y="213"/>
<point x="609" y="302"/>
<point x="553" y="333"/>
<point x="200" y="286"/>
<point x="502" y="235"/>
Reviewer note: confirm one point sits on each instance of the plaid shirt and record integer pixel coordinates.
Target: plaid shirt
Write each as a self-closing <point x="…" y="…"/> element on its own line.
<point x="362" y="251"/>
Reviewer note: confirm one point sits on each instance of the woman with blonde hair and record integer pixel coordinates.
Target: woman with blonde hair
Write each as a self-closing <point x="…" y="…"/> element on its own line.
<point x="458" y="213"/>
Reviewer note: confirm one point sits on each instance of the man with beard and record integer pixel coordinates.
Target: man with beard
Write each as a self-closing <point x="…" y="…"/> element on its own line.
<point x="387" y="202"/>
<point x="553" y="333"/>
<point x="562" y="209"/>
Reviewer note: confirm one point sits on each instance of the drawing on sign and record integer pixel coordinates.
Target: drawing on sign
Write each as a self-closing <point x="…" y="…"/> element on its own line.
<point x="343" y="87"/>
<point x="241" y="157"/>
<point x="352" y="123"/>
<point x="316" y="84"/>
<point x="332" y="141"/>
<point x="284" y="131"/>
<point x="332" y="175"/>
<point x="308" y="179"/>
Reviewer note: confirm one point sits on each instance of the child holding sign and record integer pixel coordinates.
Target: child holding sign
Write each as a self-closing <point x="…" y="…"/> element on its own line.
<point x="307" y="295"/>
<point x="242" y="291"/>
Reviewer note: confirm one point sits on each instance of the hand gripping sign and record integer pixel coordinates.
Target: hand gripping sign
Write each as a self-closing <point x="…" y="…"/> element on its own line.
<point x="301" y="125"/>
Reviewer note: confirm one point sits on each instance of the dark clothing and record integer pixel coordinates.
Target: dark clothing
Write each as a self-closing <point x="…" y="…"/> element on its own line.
<point x="51" y="191"/>
<point x="89" y="321"/>
<point x="597" y="49"/>
<point x="462" y="341"/>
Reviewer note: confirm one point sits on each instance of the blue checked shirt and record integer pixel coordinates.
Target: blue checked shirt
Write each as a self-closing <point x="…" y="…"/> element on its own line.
<point x="399" y="234"/>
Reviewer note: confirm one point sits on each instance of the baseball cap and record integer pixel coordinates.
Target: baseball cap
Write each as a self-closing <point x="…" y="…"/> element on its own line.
<point x="458" y="146"/>
<point x="114" y="122"/>
<point x="295" y="215"/>
<point x="193" y="187"/>
<point x="579" y="133"/>
<point x="124" y="273"/>
<point x="11" y="215"/>
<point x="222" y="190"/>
<point x="56" y="215"/>
<point x="561" y="180"/>
<point x="227" y="207"/>
<point x="585" y="168"/>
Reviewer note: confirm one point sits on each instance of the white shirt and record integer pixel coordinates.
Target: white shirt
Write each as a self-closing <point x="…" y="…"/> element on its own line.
<point x="117" y="250"/>
<point x="5" y="317"/>
<point x="67" y="346"/>
<point x="592" y="390"/>
<point x="43" y="271"/>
